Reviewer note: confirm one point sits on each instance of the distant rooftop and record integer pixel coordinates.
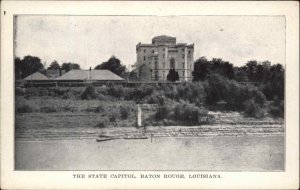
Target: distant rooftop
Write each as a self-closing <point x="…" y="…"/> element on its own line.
<point x="164" y="39"/>
<point x="104" y="75"/>
<point x="54" y="73"/>
<point x="36" y="76"/>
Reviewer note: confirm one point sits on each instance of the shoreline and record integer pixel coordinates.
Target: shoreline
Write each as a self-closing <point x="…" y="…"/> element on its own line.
<point x="164" y="131"/>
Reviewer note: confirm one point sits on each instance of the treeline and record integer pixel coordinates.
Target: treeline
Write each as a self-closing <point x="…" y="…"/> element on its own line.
<point x="267" y="77"/>
<point x="31" y="64"/>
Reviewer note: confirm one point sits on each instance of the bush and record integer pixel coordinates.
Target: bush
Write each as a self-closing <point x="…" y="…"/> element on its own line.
<point x="89" y="93"/>
<point x="140" y="93"/>
<point x="163" y="112"/>
<point x="187" y="112"/>
<point x="43" y="91"/>
<point x="99" y="109"/>
<point x="252" y="109"/>
<point x="116" y="91"/>
<point x="220" y="89"/>
<point x="124" y="112"/>
<point x="19" y="91"/>
<point x="191" y="92"/>
<point x="31" y="92"/>
<point x="69" y="109"/>
<point x="277" y="108"/>
<point x="156" y="98"/>
<point x="48" y="109"/>
<point x="103" y="123"/>
<point x="24" y="109"/>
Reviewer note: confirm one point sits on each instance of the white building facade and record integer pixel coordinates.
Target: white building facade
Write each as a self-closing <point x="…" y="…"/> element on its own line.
<point x="155" y="60"/>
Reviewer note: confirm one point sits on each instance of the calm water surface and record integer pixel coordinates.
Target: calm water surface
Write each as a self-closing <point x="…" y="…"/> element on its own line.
<point x="243" y="153"/>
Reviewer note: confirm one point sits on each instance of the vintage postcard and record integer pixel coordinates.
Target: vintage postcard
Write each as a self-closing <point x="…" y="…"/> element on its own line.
<point x="149" y="95"/>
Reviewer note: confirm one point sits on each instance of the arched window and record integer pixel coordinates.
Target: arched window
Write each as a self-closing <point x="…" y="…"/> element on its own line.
<point x="172" y="63"/>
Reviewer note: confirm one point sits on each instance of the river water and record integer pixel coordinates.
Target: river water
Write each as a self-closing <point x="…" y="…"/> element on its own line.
<point x="214" y="153"/>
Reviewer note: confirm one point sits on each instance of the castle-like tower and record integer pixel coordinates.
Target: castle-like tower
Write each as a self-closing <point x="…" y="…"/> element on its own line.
<point x="155" y="60"/>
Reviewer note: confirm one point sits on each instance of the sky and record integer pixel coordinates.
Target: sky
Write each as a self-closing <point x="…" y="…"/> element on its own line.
<point x="91" y="40"/>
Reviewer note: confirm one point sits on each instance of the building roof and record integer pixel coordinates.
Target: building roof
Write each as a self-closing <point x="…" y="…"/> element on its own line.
<point x="104" y="75"/>
<point x="36" y="76"/>
<point x="54" y="73"/>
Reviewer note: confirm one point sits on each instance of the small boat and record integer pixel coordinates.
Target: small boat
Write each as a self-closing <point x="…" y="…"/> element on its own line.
<point x="104" y="138"/>
<point x="99" y="139"/>
<point x="136" y="137"/>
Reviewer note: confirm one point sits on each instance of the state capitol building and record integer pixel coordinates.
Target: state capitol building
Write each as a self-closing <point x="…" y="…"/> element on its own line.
<point x="155" y="60"/>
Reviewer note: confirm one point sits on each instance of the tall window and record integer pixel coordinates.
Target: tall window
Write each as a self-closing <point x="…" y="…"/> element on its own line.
<point x="172" y="63"/>
<point x="156" y="64"/>
<point x="163" y="55"/>
<point x="163" y="65"/>
<point x="144" y="50"/>
<point x="156" y="75"/>
<point x="183" y="65"/>
<point x="152" y="51"/>
<point x="144" y="58"/>
<point x="182" y="55"/>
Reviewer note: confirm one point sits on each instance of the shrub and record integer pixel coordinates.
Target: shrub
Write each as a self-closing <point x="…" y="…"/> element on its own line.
<point x="99" y="109"/>
<point x="59" y="91"/>
<point x="156" y="98"/>
<point x="69" y="108"/>
<point x="103" y="123"/>
<point x="191" y="92"/>
<point x="116" y="91"/>
<point x="163" y="112"/>
<point x="103" y="97"/>
<point x="112" y="118"/>
<point x="48" y="109"/>
<point x="31" y="92"/>
<point x="216" y="88"/>
<point x="19" y="91"/>
<point x="277" y="108"/>
<point x="24" y="109"/>
<point x="43" y="91"/>
<point x="89" y="93"/>
<point x="140" y="93"/>
<point x="252" y="109"/>
<point x="124" y="112"/>
<point x="69" y="95"/>
<point x="189" y="113"/>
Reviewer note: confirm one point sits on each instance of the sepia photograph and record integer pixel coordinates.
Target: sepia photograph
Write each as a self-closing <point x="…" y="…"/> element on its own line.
<point x="149" y="93"/>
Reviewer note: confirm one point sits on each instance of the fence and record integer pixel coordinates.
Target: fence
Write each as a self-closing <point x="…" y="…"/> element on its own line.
<point x="48" y="83"/>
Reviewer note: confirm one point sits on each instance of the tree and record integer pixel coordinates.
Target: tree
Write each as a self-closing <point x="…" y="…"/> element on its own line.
<point x="28" y="65"/>
<point x="114" y="65"/>
<point x="240" y="74"/>
<point x="54" y="66"/>
<point x="201" y="69"/>
<point x="18" y="69"/>
<point x="69" y="66"/>
<point x="172" y="75"/>
<point x="251" y="70"/>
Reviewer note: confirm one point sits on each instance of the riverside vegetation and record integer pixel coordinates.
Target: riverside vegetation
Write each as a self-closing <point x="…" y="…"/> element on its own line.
<point x="164" y="104"/>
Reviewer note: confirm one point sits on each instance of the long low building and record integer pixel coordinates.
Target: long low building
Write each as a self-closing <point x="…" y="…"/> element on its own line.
<point x="74" y="78"/>
<point x="90" y="75"/>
